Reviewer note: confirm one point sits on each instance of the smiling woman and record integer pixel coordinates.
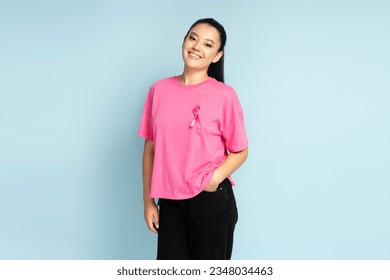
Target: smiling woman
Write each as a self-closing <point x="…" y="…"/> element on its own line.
<point x="195" y="139"/>
<point x="201" y="48"/>
<point x="214" y="38"/>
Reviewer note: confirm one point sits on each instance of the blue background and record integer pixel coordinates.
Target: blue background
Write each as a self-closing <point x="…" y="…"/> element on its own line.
<point x="313" y="80"/>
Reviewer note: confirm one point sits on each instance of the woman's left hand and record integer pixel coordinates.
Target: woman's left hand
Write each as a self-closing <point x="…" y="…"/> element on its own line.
<point x="213" y="183"/>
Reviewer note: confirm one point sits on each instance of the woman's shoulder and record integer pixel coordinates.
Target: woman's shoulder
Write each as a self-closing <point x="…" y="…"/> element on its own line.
<point x="161" y="85"/>
<point x="226" y="89"/>
<point x="165" y="81"/>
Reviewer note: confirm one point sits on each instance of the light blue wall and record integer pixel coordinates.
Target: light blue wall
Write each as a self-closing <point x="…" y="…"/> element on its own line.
<point x="312" y="77"/>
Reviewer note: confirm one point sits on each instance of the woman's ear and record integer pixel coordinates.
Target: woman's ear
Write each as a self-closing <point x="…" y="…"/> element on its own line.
<point x="218" y="56"/>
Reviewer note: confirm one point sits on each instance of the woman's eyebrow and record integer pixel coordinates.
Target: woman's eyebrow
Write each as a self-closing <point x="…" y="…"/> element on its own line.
<point x="193" y="33"/>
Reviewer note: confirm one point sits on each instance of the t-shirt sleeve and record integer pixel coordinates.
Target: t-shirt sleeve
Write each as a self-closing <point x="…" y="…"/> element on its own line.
<point x="146" y="129"/>
<point x="232" y="125"/>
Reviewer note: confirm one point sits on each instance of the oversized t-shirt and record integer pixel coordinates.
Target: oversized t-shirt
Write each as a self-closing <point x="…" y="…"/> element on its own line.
<point x="193" y="128"/>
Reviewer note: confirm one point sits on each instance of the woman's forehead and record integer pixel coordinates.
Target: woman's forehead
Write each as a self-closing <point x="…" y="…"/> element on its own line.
<point x="205" y="30"/>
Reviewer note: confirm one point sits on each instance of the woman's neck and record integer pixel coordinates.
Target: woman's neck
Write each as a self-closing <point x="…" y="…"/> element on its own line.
<point x="192" y="78"/>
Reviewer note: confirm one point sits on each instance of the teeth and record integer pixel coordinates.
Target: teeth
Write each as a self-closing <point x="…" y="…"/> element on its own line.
<point x="194" y="55"/>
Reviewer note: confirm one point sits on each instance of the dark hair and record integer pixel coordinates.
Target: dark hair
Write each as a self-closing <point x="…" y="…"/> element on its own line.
<point x="216" y="70"/>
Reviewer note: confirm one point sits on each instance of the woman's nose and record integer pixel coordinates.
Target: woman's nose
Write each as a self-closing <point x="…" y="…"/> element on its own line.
<point x="196" y="45"/>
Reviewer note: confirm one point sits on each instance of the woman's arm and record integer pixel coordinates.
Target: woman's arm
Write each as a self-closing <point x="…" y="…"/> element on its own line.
<point x="150" y="208"/>
<point x="231" y="164"/>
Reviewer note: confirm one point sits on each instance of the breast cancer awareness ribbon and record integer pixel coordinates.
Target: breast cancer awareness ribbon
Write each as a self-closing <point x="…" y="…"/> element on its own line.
<point x="195" y="111"/>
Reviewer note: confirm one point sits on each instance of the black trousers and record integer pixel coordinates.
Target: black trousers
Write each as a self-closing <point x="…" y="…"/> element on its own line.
<point x="198" y="228"/>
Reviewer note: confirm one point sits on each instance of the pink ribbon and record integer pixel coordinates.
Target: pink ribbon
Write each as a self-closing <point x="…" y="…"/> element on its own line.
<point x="196" y="117"/>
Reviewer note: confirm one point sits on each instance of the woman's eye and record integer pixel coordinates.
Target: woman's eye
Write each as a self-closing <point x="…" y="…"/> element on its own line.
<point x="208" y="45"/>
<point x="192" y="38"/>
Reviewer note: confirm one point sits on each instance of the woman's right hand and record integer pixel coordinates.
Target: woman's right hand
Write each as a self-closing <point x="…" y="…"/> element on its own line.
<point x="151" y="215"/>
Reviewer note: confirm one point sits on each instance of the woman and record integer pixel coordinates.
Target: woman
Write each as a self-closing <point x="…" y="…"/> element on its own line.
<point x="194" y="140"/>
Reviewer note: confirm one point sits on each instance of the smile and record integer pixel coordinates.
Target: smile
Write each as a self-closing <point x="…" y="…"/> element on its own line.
<point x="194" y="56"/>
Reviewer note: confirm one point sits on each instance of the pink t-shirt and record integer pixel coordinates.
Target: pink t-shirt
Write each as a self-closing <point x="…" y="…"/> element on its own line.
<point x="193" y="127"/>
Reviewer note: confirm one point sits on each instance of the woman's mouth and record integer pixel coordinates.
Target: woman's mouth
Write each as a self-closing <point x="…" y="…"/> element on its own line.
<point x="193" y="56"/>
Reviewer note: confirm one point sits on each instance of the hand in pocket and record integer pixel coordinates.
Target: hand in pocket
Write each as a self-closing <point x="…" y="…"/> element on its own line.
<point x="213" y="183"/>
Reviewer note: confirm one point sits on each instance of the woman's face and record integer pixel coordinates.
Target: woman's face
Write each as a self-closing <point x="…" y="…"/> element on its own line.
<point x="200" y="47"/>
